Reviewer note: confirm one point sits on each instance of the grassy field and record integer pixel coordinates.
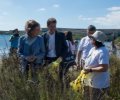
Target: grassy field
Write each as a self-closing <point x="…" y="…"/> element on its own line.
<point x="13" y="85"/>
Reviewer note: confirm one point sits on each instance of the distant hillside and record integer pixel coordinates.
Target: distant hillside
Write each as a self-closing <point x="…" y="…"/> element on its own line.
<point x="69" y="29"/>
<point x="78" y="33"/>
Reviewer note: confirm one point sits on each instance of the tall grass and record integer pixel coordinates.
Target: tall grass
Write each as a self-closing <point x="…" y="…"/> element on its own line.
<point x="115" y="78"/>
<point x="13" y="86"/>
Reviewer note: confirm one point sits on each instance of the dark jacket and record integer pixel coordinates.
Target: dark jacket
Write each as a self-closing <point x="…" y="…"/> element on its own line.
<point x="60" y="44"/>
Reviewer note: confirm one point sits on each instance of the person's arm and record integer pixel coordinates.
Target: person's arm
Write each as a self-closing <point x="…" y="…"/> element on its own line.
<point x="103" y="64"/>
<point x="79" y="52"/>
<point x="21" y="48"/>
<point x="41" y="55"/>
<point x="101" y="68"/>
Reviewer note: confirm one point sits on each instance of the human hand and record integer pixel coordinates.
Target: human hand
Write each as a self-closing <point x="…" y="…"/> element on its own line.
<point x="30" y="58"/>
<point x="86" y="71"/>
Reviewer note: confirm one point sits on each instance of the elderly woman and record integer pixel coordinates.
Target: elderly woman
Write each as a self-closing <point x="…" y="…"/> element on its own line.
<point x="31" y="48"/>
<point x="97" y="64"/>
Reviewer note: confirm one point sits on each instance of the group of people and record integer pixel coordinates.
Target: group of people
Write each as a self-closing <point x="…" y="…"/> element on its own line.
<point x="91" y="56"/>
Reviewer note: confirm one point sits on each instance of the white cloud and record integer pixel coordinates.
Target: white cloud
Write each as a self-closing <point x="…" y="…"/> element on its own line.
<point x="114" y="9"/>
<point x="56" y="6"/>
<point x="81" y="18"/>
<point x="41" y="9"/>
<point x="110" y="20"/>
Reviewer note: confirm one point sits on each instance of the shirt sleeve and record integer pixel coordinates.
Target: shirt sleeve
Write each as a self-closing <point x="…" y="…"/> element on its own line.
<point x="103" y="58"/>
<point x="21" y="47"/>
<point x="42" y="50"/>
<point x="80" y="47"/>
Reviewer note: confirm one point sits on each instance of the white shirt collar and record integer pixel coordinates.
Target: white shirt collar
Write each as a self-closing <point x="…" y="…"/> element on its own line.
<point x="50" y="34"/>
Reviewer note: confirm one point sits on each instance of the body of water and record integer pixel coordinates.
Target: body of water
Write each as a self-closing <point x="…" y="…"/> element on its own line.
<point x="5" y="45"/>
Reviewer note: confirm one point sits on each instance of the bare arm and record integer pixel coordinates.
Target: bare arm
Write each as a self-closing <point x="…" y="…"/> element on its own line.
<point x="101" y="68"/>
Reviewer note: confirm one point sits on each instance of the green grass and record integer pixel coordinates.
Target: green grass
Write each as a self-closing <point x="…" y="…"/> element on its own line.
<point x="13" y="85"/>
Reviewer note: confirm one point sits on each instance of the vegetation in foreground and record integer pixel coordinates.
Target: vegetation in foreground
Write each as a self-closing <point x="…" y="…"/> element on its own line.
<point x="117" y="41"/>
<point x="13" y="85"/>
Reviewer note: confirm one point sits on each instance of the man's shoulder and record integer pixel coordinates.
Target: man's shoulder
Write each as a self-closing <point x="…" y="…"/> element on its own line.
<point x="60" y="34"/>
<point x="83" y="39"/>
<point x="86" y="37"/>
<point x="44" y="34"/>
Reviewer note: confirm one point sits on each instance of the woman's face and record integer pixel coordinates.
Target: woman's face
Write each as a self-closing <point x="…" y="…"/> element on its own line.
<point x="36" y="31"/>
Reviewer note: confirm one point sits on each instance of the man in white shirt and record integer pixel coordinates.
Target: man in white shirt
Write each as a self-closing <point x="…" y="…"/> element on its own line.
<point x="51" y="46"/>
<point x="84" y="47"/>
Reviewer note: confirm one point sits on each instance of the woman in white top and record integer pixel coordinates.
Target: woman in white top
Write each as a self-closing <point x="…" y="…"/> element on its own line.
<point x="70" y="42"/>
<point x="97" y="64"/>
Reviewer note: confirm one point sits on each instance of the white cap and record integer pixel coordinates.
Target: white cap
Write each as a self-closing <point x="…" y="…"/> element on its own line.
<point x="99" y="36"/>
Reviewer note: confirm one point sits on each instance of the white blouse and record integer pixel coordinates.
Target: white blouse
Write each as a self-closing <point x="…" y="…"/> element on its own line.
<point x="71" y="47"/>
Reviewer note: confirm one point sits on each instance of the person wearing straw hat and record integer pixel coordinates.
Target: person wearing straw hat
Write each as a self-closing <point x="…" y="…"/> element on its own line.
<point x="97" y="64"/>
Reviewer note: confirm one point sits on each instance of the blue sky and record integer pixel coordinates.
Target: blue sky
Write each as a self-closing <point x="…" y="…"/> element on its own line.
<point x="69" y="13"/>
